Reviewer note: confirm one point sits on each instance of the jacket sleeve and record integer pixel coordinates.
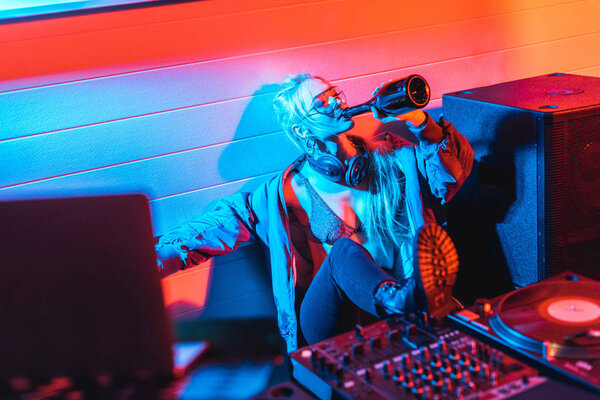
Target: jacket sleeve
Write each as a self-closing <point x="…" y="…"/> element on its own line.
<point x="218" y="231"/>
<point x="444" y="157"/>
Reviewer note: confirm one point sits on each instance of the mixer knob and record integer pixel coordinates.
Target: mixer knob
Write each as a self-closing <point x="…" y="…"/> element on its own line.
<point x="427" y="373"/>
<point x="475" y="366"/>
<point x="393" y="336"/>
<point x="436" y="360"/>
<point x="483" y="307"/>
<point x="448" y="386"/>
<point x="418" y="389"/>
<point x="359" y="332"/>
<point x="459" y="393"/>
<point x="438" y="379"/>
<point x="474" y="347"/>
<point x="485" y="371"/>
<point x="314" y="359"/>
<point x="427" y="393"/>
<point x="345" y="359"/>
<point x="472" y="387"/>
<point x="408" y="382"/>
<point x="466" y="360"/>
<point x="410" y="330"/>
<point x="357" y="349"/>
<point x="405" y="360"/>
<point x="494" y="378"/>
<point x="499" y="357"/>
<point x="369" y="375"/>
<point x="466" y="377"/>
<point x="446" y="366"/>
<point x="425" y="318"/>
<point x="386" y="369"/>
<point x="418" y="367"/>
<point x="493" y="354"/>
<point x="330" y="367"/>
<point x="456" y="373"/>
<point x="323" y="364"/>
<point x="399" y="375"/>
<point x="443" y="346"/>
<point x="425" y="354"/>
<point x="486" y="353"/>
<point x="454" y="354"/>
<point x="339" y="375"/>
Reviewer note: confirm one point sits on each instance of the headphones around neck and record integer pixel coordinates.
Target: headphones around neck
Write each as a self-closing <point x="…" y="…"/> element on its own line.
<point x="333" y="169"/>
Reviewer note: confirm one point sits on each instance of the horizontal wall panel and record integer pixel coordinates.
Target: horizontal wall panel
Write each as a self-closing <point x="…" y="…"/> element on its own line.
<point x="167" y="175"/>
<point x="501" y="66"/>
<point x="93" y="101"/>
<point x="147" y="14"/>
<point x="99" y="145"/>
<point x="230" y="35"/>
<point x="171" y="211"/>
<point x="590" y="71"/>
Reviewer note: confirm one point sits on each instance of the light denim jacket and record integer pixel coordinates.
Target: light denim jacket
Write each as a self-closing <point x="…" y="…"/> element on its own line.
<point x="443" y="159"/>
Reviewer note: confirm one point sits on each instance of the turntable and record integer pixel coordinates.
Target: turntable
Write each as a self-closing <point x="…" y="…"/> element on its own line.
<point x="553" y="325"/>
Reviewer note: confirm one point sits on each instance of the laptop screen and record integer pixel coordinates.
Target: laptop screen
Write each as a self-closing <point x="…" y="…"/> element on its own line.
<point x="80" y="294"/>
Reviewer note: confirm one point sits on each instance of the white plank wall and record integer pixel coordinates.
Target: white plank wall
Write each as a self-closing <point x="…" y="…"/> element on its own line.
<point x="175" y="101"/>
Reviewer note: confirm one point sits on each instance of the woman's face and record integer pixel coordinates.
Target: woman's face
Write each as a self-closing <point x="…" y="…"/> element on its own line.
<point x="324" y="119"/>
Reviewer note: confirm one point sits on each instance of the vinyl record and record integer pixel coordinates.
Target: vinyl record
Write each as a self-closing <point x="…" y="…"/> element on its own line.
<point x="558" y="318"/>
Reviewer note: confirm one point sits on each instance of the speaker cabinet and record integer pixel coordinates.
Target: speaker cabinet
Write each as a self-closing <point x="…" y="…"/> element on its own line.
<point x="537" y="145"/>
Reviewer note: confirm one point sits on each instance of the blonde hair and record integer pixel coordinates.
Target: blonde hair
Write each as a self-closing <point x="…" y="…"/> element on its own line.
<point x="386" y="220"/>
<point x="289" y="105"/>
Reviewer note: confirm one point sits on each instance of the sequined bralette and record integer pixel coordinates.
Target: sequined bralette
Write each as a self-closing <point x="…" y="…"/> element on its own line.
<point x="324" y="224"/>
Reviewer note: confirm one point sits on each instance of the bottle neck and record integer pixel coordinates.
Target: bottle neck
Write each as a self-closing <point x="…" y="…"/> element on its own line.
<point x="351" y="112"/>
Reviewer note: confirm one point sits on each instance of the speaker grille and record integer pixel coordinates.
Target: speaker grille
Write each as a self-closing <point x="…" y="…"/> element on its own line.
<point x="555" y="200"/>
<point x="572" y="190"/>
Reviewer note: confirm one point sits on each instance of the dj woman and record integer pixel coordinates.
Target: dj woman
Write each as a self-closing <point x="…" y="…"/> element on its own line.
<point x="340" y="222"/>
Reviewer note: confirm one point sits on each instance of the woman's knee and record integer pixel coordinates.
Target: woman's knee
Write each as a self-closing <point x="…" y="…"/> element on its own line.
<point x="345" y="247"/>
<point x="342" y="245"/>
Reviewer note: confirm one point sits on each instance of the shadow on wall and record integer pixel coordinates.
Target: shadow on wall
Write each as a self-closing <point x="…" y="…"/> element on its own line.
<point x="245" y="289"/>
<point x="266" y="149"/>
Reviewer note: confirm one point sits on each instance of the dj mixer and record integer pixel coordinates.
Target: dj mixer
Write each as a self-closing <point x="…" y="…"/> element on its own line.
<point x="457" y="357"/>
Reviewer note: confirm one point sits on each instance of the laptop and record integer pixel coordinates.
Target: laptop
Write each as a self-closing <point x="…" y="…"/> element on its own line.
<point x="80" y="294"/>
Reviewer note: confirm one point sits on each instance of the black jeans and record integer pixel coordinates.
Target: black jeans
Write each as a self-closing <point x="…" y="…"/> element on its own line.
<point x="345" y="283"/>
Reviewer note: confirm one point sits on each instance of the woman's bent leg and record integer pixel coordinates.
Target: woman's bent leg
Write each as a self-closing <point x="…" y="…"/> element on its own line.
<point x="348" y="278"/>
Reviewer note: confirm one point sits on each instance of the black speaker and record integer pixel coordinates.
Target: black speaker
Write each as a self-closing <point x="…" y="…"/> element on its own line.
<point x="536" y="176"/>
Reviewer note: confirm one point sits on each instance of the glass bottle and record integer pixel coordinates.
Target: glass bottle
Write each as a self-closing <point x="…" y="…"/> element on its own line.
<point x="395" y="97"/>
